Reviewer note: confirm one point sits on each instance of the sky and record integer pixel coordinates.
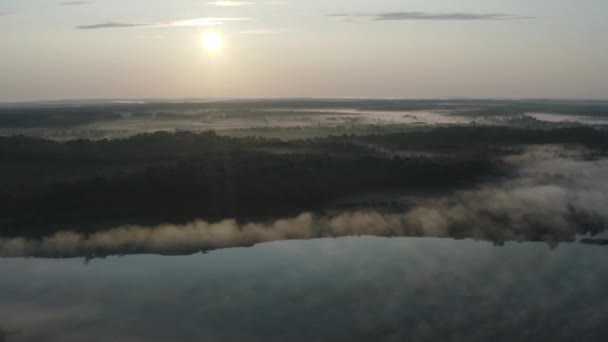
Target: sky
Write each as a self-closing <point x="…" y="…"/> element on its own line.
<point x="53" y="49"/>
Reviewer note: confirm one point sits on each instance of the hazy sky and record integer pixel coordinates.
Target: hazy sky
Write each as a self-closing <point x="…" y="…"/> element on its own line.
<point x="314" y="48"/>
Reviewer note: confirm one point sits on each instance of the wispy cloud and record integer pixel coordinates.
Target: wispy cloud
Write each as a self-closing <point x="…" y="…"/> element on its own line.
<point x="230" y="3"/>
<point x="245" y="3"/>
<point x="110" y="25"/>
<point x="5" y="13"/>
<point x="260" y="31"/>
<point x="74" y="3"/>
<point x="180" y="23"/>
<point x="429" y="16"/>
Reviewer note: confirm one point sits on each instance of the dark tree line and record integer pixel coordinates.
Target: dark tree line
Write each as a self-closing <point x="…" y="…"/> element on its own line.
<point x="155" y="178"/>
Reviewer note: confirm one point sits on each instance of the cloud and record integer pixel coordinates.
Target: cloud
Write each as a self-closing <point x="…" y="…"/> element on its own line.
<point x="5" y="13"/>
<point x="245" y="3"/>
<point x="110" y="25"/>
<point x="74" y="3"/>
<point x="230" y="3"/>
<point x="260" y="31"/>
<point x="180" y="23"/>
<point x="429" y="16"/>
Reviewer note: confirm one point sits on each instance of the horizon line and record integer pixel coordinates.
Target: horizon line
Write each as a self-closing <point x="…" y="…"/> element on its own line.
<point x="147" y="100"/>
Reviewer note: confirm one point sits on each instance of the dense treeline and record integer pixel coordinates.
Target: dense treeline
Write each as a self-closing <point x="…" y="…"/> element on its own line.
<point x="245" y="187"/>
<point x="162" y="177"/>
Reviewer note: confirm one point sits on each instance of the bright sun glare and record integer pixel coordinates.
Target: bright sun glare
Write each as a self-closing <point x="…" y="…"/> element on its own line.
<point x="212" y="41"/>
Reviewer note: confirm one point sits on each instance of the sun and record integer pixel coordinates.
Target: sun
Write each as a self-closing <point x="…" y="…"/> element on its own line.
<point x="212" y="41"/>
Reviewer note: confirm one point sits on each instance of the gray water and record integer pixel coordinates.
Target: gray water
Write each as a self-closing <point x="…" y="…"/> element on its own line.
<point x="347" y="289"/>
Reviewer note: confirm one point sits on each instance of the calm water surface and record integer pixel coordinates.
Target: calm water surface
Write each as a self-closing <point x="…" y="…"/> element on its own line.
<point x="348" y="289"/>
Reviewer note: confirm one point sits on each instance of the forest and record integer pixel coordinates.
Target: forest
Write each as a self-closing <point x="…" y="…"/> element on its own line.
<point x="87" y="186"/>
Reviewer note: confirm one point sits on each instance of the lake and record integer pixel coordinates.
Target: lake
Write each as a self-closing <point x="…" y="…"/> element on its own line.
<point x="345" y="289"/>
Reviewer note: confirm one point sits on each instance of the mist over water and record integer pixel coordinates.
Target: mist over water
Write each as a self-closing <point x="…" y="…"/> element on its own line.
<point x="556" y="196"/>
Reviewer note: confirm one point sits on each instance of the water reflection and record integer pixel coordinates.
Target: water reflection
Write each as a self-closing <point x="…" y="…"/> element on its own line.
<point x="328" y="289"/>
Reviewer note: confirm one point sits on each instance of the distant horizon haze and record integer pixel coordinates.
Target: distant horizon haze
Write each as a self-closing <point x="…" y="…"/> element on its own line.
<point x="315" y="49"/>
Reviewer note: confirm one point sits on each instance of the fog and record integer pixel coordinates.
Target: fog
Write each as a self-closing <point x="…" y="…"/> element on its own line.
<point x="303" y="118"/>
<point x="556" y="196"/>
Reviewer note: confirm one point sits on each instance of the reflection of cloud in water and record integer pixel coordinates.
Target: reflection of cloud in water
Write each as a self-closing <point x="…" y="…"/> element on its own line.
<point x="552" y="200"/>
<point x="349" y="289"/>
<point x="43" y="322"/>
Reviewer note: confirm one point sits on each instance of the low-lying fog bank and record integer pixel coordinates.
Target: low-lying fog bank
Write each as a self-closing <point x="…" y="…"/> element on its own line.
<point x="556" y="196"/>
<point x="288" y="119"/>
